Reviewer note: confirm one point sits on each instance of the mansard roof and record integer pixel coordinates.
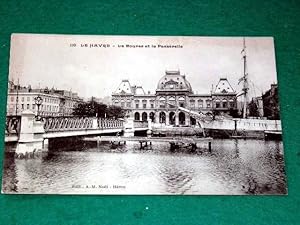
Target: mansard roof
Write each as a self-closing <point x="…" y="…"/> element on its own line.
<point x="139" y="90"/>
<point x="124" y="88"/>
<point x="224" y="87"/>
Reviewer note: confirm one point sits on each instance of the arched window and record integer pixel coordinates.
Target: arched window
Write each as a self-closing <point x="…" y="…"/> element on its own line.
<point x="181" y="118"/>
<point x="144" y="116"/>
<point x="193" y="120"/>
<point x="162" y="117"/>
<point x="136" y="116"/>
<point x="152" y="116"/>
<point x="172" y="118"/>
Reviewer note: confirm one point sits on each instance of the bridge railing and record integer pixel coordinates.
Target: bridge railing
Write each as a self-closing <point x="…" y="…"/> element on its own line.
<point x="140" y="124"/>
<point x="55" y="124"/>
<point x="67" y="123"/>
<point x="12" y="125"/>
<point x="109" y="123"/>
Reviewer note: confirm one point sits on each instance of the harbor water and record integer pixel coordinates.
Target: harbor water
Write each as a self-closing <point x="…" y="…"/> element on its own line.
<point x="233" y="167"/>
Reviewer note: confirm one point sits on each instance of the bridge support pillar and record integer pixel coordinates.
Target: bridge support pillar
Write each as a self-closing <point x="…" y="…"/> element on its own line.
<point x="31" y="136"/>
<point x="95" y="123"/>
<point x="149" y="130"/>
<point x="45" y="144"/>
<point x="129" y="127"/>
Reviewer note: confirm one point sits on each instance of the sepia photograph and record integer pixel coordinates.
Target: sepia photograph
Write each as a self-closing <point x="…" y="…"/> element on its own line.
<point x="143" y="115"/>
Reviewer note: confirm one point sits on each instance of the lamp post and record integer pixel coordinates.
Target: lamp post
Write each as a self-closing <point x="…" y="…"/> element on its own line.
<point x="38" y="101"/>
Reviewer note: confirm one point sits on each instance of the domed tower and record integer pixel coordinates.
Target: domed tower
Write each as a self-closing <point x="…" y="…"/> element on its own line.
<point x="172" y="90"/>
<point x="173" y="82"/>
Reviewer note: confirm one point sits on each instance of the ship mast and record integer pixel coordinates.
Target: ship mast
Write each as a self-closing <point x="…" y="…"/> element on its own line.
<point x="17" y="99"/>
<point x="245" y="80"/>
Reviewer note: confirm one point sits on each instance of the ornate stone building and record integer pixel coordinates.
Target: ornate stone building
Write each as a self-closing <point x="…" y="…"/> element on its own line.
<point x="173" y="89"/>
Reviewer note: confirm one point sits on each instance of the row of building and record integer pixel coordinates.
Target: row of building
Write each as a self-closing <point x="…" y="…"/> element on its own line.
<point x="54" y="102"/>
<point x="173" y="89"/>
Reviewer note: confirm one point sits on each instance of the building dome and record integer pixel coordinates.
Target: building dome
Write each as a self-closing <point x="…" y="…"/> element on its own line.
<point x="173" y="81"/>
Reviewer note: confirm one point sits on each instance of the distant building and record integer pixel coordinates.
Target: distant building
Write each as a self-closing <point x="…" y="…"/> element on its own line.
<point x="255" y="107"/>
<point x="105" y="100"/>
<point x="224" y="97"/>
<point x="94" y="99"/>
<point x="173" y="89"/>
<point x="271" y="103"/>
<point x="55" y="102"/>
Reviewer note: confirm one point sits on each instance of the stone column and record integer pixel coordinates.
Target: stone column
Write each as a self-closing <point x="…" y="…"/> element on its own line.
<point x="167" y="118"/>
<point x="156" y="117"/>
<point x="129" y="127"/>
<point x="176" y="118"/>
<point x="31" y="136"/>
<point x="187" y="119"/>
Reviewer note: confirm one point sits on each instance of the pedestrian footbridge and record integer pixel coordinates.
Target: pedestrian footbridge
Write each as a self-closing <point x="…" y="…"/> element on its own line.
<point x="29" y="133"/>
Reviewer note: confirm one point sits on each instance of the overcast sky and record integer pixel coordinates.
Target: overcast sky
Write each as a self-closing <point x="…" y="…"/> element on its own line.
<point x="49" y="60"/>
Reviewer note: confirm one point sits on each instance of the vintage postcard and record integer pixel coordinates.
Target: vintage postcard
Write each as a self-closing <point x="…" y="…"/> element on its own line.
<point x="154" y="115"/>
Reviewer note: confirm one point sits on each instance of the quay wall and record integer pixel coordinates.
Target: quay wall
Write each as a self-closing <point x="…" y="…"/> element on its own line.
<point x="177" y="131"/>
<point x="245" y="124"/>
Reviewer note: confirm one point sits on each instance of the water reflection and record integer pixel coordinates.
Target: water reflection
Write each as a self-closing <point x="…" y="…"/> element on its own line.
<point x="234" y="167"/>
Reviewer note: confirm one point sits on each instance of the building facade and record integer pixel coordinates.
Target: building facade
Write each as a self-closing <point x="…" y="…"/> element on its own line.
<point x="54" y="102"/>
<point x="271" y="103"/>
<point x="173" y="90"/>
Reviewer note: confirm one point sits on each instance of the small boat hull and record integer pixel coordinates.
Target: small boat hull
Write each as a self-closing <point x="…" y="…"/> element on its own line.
<point x="236" y="134"/>
<point x="273" y="135"/>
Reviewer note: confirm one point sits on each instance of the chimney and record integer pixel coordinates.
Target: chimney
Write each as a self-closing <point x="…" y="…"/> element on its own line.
<point x="133" y="89"/>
